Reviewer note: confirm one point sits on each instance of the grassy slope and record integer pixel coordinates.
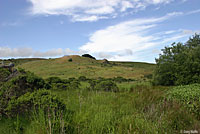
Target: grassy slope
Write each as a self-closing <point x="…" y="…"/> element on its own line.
<point x="21" y="60"/>
<point x="81" y="66"/>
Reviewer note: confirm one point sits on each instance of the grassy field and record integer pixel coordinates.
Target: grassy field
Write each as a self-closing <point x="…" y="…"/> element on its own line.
<point x="142" y="109"/>
<point x="82" y="66"/>
<point x="136" y="107"/>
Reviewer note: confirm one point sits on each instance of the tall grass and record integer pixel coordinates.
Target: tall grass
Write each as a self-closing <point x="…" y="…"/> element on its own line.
<point x="142" y="109"/>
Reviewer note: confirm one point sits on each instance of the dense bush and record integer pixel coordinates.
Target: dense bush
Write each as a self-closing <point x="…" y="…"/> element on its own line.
<point x="179" y="64"/>
<point x="63" y="84"/>
<point x="121" y="79"/>
<point x="88" y="56"/>
<point x="188" y="95"/>
<point x="82" y="78"/>
<point x="105" y="85"/>
<point x="25" y="95"/>
<point x="70" y="60"/>
<point x="51" y="80"/>
<point x="4" y="73"/>
<point x="37" y="99"/>
<point x="18" y="86"/>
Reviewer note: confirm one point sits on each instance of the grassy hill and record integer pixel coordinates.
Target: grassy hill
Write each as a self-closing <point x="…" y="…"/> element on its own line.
<point x="21" y="60"/>
<point x="83" y="66"/>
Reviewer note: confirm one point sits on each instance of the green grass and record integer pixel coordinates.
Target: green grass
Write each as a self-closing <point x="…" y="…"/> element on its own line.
<point x="141" y="109"/>
<point x="81" y="66"/>
<point x="138" y="107"/>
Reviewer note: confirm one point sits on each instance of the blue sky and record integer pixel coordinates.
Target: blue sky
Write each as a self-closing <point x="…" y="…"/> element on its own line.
<point x="118" y="30"/>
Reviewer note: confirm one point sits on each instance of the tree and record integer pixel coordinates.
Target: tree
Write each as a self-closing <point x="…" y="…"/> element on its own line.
<point x="179" y="64"/>
<point x="88" y="56"/>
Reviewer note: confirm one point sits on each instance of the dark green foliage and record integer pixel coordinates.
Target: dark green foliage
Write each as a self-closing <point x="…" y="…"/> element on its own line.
<point x="51" y="80"/>
<point x="104" y="86"/>
<point x="88" y="56"/>
<point x="25" y="96"/>
<point x="148" y="76"/>
<point x="70" y="60"/>
<point x="4" y="73"/>
<point x="179" y="64"/>
<point x="19" y="86"/>
<point x="22" y="84"/>
<point x="121" y="79"/>
<point x="37" y="99"/>
<point x="82" y="78"/>
<point x="107" y="86"/>
<point x="63" y="84"/>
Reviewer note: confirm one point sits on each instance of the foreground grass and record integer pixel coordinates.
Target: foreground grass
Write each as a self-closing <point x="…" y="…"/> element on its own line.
<point x="142" y="109"/>
<point x="138" y="108"/>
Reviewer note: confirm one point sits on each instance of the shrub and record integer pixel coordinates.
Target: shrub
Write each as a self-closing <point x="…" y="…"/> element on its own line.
<point x="70" y="60"/>
<point x="37" y="99"/>
<point x="4" y="73"/>
<point x="51" y="80"/>
<point x="63" y="84"/>
<point x="148" y="76"/>
<point x="88" y="56"/>
<point x="120" y="79"/>
<point x="188" y="95"/>
<point x="19" y="86"/>
<point x="106" y="86"/>
<point x="82" y="78"/>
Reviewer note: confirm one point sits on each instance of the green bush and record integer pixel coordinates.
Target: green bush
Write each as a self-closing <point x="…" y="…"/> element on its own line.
<point x="106" y="86"/>
<point x="120" y="79"/>
<point x="63" y="84"/>
<point x="18" y="86"/>
<point x="188" y="95"/>
<point x="82" y="78"/>
<point x="37" y="99"/>
<point x="88" y="56"/>
<point x="70" y="60"/>
<point x="4" y="73"/>
<point x="51" y="80"/>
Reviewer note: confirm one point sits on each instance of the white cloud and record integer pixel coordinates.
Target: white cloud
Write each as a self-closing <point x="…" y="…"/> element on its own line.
<point x="126" y="40"/>
<point x="89" y="10"/>
<point x="6" y="52"/>
<point x="15" y="52"/>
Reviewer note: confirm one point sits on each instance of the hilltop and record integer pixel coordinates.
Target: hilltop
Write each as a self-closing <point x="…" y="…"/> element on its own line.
<point x="75" y="66"/>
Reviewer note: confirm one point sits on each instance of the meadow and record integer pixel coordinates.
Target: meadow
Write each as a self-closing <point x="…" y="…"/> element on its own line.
<point x="86" y="96"/>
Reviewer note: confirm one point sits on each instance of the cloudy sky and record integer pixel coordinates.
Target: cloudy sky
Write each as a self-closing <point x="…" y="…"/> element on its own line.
<point x="118" y="30"/>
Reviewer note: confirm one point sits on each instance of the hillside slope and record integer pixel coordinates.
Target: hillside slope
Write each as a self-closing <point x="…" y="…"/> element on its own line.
<point x="82" y="66"/>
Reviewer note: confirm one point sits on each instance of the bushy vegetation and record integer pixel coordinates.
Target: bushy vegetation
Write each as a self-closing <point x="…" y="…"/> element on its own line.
<point x="88" y="56"/>
<point x="107" y="85"/>
<point x="188" y="95"/>
<point x="26" y="93"/>
<point x="42" y="99"/>
<point x="63" y="84"/>
<point x="179" y="64"/>
<point x="4" y="73"/>
<point x="70" y="60"/>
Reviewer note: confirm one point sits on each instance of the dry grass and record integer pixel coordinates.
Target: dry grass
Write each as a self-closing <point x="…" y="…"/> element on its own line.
<point x="82" y="66"/>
